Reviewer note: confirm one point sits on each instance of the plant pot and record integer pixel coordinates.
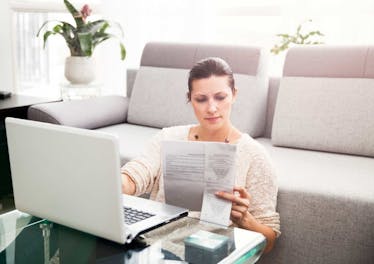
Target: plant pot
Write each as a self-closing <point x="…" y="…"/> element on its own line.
<point x="80" y="70"/>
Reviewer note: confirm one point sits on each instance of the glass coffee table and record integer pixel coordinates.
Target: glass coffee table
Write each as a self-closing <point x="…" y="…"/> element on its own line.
<point x="28" y="239"/>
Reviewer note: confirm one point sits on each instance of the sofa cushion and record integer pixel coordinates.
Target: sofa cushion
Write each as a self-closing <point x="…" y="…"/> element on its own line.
<point x="327" y="114"/>
<point x="249" y="109"/>
<point x="132" y="139"/>
<point x="242" y="59"/>
<point x="326" y="202"/>
<point x="163" y="77"/>
<point x="147" y="104"/>
<point x="330" y="61"/>
<point x="323" y="173"/>
<point x="159" y="98"/>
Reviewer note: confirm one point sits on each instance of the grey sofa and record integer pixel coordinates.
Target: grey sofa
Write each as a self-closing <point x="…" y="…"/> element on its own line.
<point x="315" y="121"/>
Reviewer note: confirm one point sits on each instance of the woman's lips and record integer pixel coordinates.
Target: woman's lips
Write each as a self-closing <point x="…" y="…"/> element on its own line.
<point x="213" y="119"/>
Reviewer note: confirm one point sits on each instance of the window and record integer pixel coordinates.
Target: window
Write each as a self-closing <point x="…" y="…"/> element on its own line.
<point x="38" y="71"/>
<point x="32" y="62"/>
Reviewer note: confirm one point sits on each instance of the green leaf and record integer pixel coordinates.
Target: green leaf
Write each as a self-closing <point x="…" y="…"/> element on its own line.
<point x="123" y="51"/>
<point x="45" y="37"/>
<point x="283" y="35"/>
<point x="298" y="29"/>
<point x="96" y="27"/>
<point x="40" y="29"/>
<point x="318" y="33"/>
<point x="104" y="27"/>
<point x="64" y="24"/>
<point x="70" y="35"/>
<point x="58" y="29"/>
<point x="100" y="37"/>
<point x="45" y="24"/>
<point x="85" y="41"/>
<point x="75" y="13"/>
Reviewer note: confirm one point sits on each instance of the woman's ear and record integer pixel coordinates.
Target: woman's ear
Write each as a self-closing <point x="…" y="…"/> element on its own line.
<point x="235" y="92"/>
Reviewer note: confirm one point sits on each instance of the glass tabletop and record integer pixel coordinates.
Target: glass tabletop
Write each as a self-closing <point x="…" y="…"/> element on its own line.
<point x="28" y="239"/>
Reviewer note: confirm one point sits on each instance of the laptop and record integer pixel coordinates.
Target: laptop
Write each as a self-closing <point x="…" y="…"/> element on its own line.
<point x="71" y="176"/>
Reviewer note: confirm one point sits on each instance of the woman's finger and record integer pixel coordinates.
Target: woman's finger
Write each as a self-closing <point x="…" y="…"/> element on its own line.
<point x="235" y="215"/>
<point x="240" y="209"/>
<point x="226" y="196"/>
<point x="242" y="202"/>
<point x="242" y="192"/>
<point x="230" y="197"/>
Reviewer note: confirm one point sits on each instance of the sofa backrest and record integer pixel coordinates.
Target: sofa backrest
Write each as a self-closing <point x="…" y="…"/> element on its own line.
<point x="326" y="100"/>
<point x="158" y="97"/>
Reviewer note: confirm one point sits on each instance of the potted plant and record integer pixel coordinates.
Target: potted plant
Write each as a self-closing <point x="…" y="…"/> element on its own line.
<point x="298" y="38"/>
<point x="302" y="36"/>
<point x="81" y="40"/>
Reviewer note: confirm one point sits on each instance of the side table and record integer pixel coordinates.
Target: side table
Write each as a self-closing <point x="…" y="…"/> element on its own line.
<point x="79" y="91"/>
<point x="14" y="106"/>
<point x="28" y="239"/>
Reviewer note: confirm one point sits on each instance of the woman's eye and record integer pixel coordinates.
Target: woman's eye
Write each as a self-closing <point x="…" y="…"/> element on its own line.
<point x="200" y="100"/>
<point x="220" y="97"/>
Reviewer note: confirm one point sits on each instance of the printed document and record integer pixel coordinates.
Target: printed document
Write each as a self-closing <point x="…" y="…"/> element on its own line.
<point x="194" y="171"/>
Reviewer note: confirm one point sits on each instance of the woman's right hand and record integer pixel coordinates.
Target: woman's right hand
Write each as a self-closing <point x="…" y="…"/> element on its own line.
<point x="128" y="185"/>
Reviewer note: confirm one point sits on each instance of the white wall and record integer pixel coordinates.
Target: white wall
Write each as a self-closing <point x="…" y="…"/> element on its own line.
<point x="162" y="20"/>
<point x="242" y="22"/>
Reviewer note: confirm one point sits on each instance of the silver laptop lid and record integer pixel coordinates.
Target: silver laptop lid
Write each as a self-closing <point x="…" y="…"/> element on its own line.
<point x="64" y="174"/>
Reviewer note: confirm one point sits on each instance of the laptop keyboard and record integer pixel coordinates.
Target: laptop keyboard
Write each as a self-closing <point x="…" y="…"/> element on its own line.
<point x="132" y="215"/>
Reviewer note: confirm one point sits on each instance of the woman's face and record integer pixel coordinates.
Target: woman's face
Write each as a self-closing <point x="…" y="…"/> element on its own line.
<point x="211" y="99"/>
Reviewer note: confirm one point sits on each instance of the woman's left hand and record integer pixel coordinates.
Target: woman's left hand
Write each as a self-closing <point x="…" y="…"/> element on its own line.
<point x="240" y="204"/>
<point x="243" y="218"/>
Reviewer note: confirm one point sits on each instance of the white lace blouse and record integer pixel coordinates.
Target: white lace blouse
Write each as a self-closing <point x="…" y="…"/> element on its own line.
<point x="254" y="171"/>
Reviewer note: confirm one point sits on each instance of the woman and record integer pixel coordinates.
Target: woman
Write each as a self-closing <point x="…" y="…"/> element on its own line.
<point x="211" y="91"/>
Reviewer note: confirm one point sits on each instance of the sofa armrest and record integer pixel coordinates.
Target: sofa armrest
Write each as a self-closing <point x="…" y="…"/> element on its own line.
<point x="89" y="113"/>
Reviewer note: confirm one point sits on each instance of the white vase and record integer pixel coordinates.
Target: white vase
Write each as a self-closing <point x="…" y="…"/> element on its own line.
<point x="80" y="70"/>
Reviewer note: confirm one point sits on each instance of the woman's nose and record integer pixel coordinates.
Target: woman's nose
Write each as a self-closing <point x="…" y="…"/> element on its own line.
<point x="212" y="107"/>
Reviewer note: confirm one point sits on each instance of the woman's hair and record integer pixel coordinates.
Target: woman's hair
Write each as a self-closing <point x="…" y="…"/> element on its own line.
<point x="208" y="67"/>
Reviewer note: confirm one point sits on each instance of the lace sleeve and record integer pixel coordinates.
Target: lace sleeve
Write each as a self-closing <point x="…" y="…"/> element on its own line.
<point x="144" y="169"/>
<point x="261" y="185"/>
